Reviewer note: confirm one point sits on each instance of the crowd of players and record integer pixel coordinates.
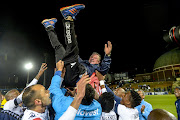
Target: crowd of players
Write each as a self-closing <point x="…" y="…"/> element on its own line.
<point x="77" y="90"/>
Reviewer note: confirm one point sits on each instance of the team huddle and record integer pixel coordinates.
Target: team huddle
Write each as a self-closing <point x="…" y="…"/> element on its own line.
<point x="77" y="90"/>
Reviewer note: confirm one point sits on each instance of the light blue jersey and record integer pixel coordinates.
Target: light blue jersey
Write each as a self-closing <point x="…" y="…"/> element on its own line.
<point x="147" y="110"/>
<point x="60" y="102"/>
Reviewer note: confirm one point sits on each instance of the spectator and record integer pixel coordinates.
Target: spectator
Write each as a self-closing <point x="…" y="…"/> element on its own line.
<point x="177" y="103"/>
<point x="126" y="110"/>
<point x="89" y="108"/>
<point x="160" y="114"/>
<point x="144" y="108"/>
<point x="120" y="83"/>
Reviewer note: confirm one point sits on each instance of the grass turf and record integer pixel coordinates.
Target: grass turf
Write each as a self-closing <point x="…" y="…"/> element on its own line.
<point x="166" y="102"/>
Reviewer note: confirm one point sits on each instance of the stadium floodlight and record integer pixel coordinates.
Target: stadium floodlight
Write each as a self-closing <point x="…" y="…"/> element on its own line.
<point x="28" y="66"/>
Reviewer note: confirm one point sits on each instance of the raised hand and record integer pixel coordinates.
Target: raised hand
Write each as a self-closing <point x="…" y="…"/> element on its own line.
<point x="41" y="70"/>
<point x="60" y="65"/>
<point x="108" y="48"/>
<point x="142" y="108"/>
<point x="81" y="85"/>
<point x="81" y="88"/>
<point x="99" y="75"/>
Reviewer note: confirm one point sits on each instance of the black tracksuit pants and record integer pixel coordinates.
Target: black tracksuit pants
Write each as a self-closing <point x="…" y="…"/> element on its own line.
<point x="68" y="55"/>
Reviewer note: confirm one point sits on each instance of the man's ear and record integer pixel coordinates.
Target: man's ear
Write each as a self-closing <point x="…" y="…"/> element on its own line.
<point x="37" y="102"/>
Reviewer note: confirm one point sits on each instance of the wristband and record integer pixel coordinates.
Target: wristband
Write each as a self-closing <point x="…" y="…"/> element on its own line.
<point x="102" y="82"/>
<point x="104" y="90"/>
<point x="108" y="55"/>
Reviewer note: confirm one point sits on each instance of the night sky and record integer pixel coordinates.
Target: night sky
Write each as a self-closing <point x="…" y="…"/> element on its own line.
<point x="136" y="45"/>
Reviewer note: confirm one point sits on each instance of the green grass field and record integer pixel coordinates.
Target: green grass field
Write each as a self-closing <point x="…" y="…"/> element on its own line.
<point x="166" y="102"/>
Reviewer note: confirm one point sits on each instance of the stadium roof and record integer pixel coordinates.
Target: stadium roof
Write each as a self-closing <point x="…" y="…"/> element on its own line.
<point x="169" y="58"/>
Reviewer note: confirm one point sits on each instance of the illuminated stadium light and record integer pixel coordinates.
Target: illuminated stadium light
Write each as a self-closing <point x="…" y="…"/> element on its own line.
<point x="28" y="66"/>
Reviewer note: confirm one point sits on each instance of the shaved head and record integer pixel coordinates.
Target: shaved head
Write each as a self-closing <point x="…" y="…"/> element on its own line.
<point x="36" y="93"/>
<point x="160" y="114"/>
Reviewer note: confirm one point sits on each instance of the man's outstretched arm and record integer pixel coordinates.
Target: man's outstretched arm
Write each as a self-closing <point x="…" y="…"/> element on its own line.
<point x="56" y="80"/>
<point x="106" y="62"/>
<point x="15" y="102"/>
<point x="34" y="81"/>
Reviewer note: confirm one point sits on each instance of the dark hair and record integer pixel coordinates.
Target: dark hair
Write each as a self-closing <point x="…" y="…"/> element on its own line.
<point x="29" y="96"/>
<point x="135" y="99"/>
<point x="89" y="95"/>
<point x="178" y="87"/>
<point x="107" y="101"/>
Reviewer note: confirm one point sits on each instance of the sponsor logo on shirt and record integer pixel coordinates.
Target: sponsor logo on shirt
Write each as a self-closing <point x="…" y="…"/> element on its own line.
<point x="112" y="117"/>
<point x="68" y="32"/>
<point x="32" y="115"/>
<point x="87" y="113"/>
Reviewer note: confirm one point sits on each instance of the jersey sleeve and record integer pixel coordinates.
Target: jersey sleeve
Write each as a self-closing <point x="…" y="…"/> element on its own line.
<point x="147" y="110"/>
<point x="55" y="85"/>
<point x="70" y="114"/>
<point x="119" y="108"/>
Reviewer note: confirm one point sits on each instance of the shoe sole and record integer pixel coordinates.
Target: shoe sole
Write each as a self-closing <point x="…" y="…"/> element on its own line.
<point x="48" y="20"/>
<point x="67" y="7"/>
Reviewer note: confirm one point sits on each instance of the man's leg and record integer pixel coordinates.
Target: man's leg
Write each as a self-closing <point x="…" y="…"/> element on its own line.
<point x="71" y="55"/>
<point x="72" y="50"/>
<point x="58" y="47"/>
<point x="69" y="14"/>
<point x="49" y="25"/>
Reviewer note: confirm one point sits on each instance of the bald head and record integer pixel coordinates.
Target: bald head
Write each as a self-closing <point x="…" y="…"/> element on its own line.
<point x="120" y="92"/>
<point x="160" y="114"/>
<point x="36" y="93"/>
<point x="30" y="94"/>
